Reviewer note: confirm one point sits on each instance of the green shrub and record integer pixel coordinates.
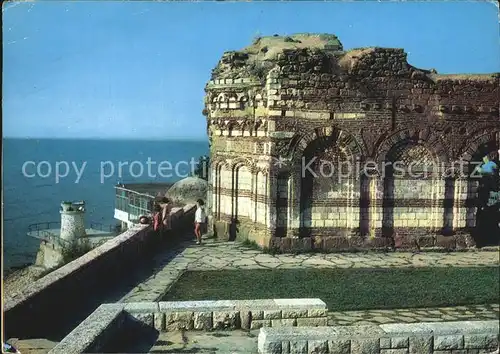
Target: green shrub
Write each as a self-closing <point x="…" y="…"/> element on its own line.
<point x="74" y="249"/>
<point x="201" y="169"/>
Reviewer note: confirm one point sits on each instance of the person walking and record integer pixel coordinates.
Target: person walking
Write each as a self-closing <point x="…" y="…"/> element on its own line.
<point x="199" y="220"/>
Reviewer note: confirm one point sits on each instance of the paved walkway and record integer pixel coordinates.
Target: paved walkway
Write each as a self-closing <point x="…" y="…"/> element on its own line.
<point x="169" y="265"/>
<point x="439" y="314"/>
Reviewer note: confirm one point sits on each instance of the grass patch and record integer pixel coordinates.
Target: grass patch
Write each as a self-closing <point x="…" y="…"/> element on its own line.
<point x="346" y="289"/>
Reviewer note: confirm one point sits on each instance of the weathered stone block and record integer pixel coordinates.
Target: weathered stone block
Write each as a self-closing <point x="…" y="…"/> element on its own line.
<point x="339" y="346"/>
<point x="272" y="314"/>
<point x="399" y="342"/>
<point x="393" y="351"/>
<point x="317" y="347"/>
<point x="425" y="241"/>
<point x="226" y="320"/>
<point x="378" y="242"/>
<point x="421" y="345"/>
<point x="312" y="322"/>
<point x="270" y="348"/>
<point x="203" y="320"/>
<point x="317" y="313"/>
<point x="285" y="244"/>
<point x="318" y="242"/>
<point x="448" y="342"/>
<point x="256" y="324"/>
<point x="290" y="322"/>
<point x="179" y="320"/>
<point x="336" y="243"/>
<point x="356" y="242"/>
<point x="446" y="242"/>
<point x="294" y="313"/>
<point x="245" y="318"/>
<point x="159" y="320"/>
<point x="365" y="346"/>
<point x="298" y="347"/>
<point x="480" y="341"/>
<point x="146" y="318"/>
<point x="257" y="315"/>
<point x="385" y="343"/>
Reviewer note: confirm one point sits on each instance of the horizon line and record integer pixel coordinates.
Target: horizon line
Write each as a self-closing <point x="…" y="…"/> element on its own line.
<point x="200" y="139"/>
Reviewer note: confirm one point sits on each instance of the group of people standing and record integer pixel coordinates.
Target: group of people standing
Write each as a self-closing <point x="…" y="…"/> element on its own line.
<point x="161" y="214"/>
<point x="161" y="217"/>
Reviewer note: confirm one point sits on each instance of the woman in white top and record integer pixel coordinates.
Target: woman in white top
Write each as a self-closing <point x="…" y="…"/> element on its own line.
<point x="199" y="220"/>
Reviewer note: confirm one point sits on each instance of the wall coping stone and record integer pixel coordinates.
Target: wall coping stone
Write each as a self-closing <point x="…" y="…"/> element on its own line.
<point x="442" y="327"/>
<point x="219" y="305"/>
<point x="80" y="339"/>
<point x="141" y="307"/>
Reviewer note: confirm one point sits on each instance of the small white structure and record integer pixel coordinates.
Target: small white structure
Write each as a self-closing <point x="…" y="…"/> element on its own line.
<point x="72" y="220"/>
<point x="72" y="227"/>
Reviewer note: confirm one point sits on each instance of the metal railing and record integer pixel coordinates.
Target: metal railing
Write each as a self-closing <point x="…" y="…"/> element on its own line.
<point x="132" y="202"/>
<point x="41" y="231"/>
<point x="102" y="227"/>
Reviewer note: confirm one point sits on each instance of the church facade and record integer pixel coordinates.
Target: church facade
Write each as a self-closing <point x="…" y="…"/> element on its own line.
<point x="314" y="147"/>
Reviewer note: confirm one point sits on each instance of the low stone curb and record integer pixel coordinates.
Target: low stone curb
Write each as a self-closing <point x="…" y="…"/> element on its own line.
<point x="465" y="337"/>
<point x="105" y="323"/>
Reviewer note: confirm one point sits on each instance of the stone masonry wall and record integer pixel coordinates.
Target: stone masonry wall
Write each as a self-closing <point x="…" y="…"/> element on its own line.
<point x="419" y="338"/>
<point x="104" y="324"/>
<point x="230" y="314"/>
<point x="284" y="99"/>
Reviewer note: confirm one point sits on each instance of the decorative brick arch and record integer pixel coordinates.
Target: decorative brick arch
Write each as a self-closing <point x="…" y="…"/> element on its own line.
<point x="345" y="139"/>
<point x="243" y="161"/>
<point x="408" y="137"/>
<point x="478" y="138"/>
<point x="219" y="162"/>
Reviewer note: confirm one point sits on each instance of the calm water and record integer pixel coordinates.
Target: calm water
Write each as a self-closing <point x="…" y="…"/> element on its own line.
<point x="28" y="200"/>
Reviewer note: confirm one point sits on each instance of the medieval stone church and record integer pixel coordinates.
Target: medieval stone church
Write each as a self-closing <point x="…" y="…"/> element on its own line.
<point x="314" y="147"/>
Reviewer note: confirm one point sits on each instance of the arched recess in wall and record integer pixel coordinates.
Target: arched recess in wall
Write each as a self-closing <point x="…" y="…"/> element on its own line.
<point x="261" y="207"/>
<point x="482" y="220"/>
<point x="242" y="191"/>
<point x="329" y="188"/>
<point x="412" y="190"/>
<point x="282" y="202"/>
<point x="224" y="179"/>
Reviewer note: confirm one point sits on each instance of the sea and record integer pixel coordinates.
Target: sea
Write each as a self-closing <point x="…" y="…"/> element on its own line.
<point x="38" y="174"/>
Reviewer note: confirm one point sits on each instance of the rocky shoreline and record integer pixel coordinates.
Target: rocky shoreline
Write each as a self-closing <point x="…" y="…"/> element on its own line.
<point x="19" y="279"/>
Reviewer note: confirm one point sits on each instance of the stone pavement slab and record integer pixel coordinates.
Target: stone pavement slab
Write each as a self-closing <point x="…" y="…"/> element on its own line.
<point x="440" y="314"/>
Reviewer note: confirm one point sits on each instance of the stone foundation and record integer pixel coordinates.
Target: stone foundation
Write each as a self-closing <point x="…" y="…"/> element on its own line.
<point x="105" y="323"/>
<point x="420" y="338"/>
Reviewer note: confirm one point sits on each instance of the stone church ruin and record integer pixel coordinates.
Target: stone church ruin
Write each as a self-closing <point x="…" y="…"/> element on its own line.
<point x="314" y="147"/>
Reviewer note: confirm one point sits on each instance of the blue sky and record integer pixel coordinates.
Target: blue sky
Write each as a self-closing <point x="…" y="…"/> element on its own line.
<point x="138" y="69"/>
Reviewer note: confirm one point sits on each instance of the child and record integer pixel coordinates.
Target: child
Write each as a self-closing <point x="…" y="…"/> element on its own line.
<point x="199" y="220"/>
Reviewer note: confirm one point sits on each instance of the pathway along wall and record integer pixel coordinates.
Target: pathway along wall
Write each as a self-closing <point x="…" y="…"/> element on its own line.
<point x="279" y="108"/>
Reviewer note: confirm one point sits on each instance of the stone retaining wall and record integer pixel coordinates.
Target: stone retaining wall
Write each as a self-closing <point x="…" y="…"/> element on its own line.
<point x="77" y="282"/>
<point x="467" y="337"/>
<point x="234" y="314"/>
<point x="105" y="323"/>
